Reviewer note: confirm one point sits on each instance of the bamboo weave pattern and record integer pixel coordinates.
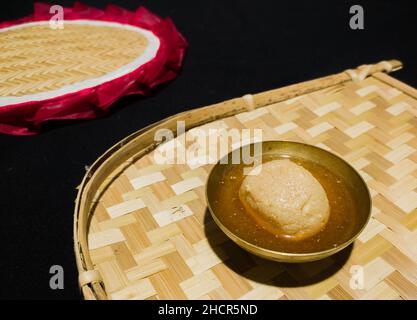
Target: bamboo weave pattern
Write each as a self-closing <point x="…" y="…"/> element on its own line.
<point x="36" y="59"/>
<point x="151" y="236"/>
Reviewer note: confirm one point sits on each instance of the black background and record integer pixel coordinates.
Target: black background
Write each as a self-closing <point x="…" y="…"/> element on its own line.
<point x="236" y="47"/>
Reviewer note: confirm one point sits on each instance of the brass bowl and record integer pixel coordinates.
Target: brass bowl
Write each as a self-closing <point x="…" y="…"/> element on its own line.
<point x="333" y="163"/>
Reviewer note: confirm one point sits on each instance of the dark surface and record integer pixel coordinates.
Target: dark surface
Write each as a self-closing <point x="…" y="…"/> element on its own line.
<point x="236" y="47"/>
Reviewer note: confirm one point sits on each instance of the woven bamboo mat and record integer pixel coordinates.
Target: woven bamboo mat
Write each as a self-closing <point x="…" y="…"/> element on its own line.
<point x="151" y="236"/>
<point x="37" y="58"/>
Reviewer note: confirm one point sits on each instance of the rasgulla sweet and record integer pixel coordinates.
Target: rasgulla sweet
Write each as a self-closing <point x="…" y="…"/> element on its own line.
<point x="286" y="199"/>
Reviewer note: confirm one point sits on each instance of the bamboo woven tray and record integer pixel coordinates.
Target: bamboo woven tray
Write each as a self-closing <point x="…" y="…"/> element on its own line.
<point x="77" y="69"/>
<point x="363" y="115"/>
<point x="77" y="53"/>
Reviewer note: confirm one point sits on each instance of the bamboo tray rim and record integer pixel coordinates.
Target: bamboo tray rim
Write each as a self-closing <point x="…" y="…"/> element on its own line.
<point x="113" y="162"/>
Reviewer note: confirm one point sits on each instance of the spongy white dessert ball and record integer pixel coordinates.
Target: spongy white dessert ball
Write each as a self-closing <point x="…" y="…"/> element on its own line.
<point x="286" y="199"/>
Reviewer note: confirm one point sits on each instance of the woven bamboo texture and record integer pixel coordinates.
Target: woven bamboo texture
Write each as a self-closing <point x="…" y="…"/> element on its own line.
<point x="150" y="235"/>
<point x="37" y="59"/>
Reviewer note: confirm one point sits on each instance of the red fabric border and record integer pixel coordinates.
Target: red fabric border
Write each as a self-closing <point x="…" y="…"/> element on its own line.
<point x="27" y="118"/>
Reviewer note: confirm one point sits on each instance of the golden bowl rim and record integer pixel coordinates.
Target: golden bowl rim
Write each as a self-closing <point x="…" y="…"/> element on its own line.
<point x="268" y="253"/>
